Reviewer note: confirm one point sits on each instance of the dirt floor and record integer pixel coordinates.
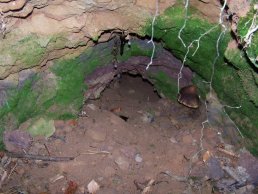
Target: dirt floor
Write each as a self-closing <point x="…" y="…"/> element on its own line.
<point x="129" y="141"/>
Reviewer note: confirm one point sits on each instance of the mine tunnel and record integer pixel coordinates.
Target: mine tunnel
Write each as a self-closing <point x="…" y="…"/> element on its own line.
<point x="128" y="97"/>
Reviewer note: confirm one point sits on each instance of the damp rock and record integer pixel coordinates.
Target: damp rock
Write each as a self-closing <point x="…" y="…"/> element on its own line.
<point x="215" y="171"/>
<point x="250" y="164"/>
<point x="226" y="184"/>
<point x="17" y="140"/>
<point x="42" y="127"/>
<point x="238" y="174"/>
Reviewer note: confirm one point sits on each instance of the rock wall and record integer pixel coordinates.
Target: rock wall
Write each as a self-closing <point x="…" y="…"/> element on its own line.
<point x="215" y="56"/>
<point x="38" y="31"/>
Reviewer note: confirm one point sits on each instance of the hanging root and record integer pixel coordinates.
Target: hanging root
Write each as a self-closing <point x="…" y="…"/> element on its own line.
<point x="186" y="15"/>
<point x="152" y="34"/>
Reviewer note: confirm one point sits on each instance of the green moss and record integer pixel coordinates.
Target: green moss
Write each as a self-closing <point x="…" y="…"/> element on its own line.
<point x="244" y="23"/>
<point x="234" y="87"/>
<point x="57" y="42"/>
<point x="203" y="87"/>
<point x="167" y="28"/>
<point x="59" y="94"/>
<point x="241" y="88"/>
<point x="95" y="38"/>
<point x="252" y="50"/>
<point x="27" y="50"/>
<point x="245" y="73"/>
<point x="21" y="103"/>
<point x="41" y="126"/>
<point x="243" y="27"/>
<point x="164" y="85"/>
<point x="136" y="49"/>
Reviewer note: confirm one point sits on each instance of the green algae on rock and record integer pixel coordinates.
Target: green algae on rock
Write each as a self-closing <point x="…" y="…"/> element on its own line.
<point x="23" y="53"/>
<point x="42" y="127"/>
<point x="58" y="93"/>
<point x="235" y="88"/>
<point x="164" y="85"/>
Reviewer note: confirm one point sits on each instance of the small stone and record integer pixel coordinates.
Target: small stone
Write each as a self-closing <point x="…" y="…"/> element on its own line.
<point x="93" y="187"/>
<point x="148" y="118"/>
<point x="122" y="163"/>
<point x="138" y="158"/>
<point x="173" y="140"/>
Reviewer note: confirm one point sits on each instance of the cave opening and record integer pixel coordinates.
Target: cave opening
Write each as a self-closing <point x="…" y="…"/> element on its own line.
<point x="127" y="95"/>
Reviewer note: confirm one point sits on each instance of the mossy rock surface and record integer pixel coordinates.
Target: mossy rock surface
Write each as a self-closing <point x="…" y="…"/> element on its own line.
<point x="23" y="53"/>
<point x="58" y="93"/>
<point x="234" y="79"/>
<point x="42" y="127"/>
<point x="250" y="43"/>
